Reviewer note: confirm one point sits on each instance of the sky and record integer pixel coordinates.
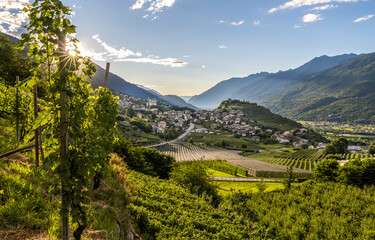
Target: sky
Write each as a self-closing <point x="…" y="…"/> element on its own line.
<point x="184" y="47"/>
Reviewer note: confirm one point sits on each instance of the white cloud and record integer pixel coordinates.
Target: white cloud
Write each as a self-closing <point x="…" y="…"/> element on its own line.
<point x="221" y="21"/>
<point x="362" y="19"/>
<point x="297" y="26"/>
<point x="238" y="23"/>
<point x="203" y="66"/>
<point x="153" y="6"/>
<point x="256" y="22"/>
<point x="126" y="55"/>
<point x="311" y="18"/>
<point x="169" y="62"/>
<point x="12" y="18"/>
<point x="324" y="7"/>
<point x="222" y="47"/>
<point x="300" y="3"/>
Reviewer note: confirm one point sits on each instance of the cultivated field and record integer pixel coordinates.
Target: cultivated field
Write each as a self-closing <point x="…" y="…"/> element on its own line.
<point x="255" y="167"/>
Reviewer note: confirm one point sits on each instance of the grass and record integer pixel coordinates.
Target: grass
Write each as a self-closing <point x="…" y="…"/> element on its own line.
<point x="226" y="188"/>
<point x="230" y="140"/>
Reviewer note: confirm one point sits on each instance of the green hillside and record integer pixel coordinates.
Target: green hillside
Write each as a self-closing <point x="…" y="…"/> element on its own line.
<point x="344" y="93"/>
<point x="261" y="115"/>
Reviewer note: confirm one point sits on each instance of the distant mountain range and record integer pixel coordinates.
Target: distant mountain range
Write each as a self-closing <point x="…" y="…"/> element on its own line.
<point x="264" y="86"/>
<point x="138" y="91"/>
<point x="339" y="88"/>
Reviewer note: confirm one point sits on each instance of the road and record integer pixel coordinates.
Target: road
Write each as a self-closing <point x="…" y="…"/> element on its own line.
<point x="181" y="137"/>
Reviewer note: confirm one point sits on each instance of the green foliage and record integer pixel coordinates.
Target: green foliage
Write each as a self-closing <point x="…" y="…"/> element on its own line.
<point x="371" y="149"/>
<point x="261" y="115"/>
<point x="223" y="166"/>
<point x="145" y="160"/>
<point x="338" y="146"/>
<point x="162" y="210"/>
<point x="302" y="158"/>
<point x="194" y="177"/>
<point x="91" y="115"/>
<point x="17" y="107"/>
<point x="289" y="178"/>
<point x="130" y="112"/>
<point x="23" y="201"/>
<point x="141" y="124"/>
<point x="12" y="64"/>
<point x="326" y="170"/>
<point x="309" y="211"/>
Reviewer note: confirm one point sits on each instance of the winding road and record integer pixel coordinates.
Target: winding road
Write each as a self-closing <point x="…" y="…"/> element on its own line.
<point x="181" y="137"/>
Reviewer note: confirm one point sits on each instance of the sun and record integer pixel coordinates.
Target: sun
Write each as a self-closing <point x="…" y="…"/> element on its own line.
<point x="72" y="53"/>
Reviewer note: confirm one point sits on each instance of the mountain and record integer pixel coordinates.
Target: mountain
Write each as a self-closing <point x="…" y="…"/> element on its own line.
<point x="263" y="87"/>
<point x="139" y="91"/>
<point x="119" y="84"/>
<point x="213" y="97"/>
<point x="186" y="98"/>
<point x="343" y="93"/>
<point x="179" y="102"/>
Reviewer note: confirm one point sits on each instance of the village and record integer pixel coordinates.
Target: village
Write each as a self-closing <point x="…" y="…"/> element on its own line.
<point x="161" y="117"/>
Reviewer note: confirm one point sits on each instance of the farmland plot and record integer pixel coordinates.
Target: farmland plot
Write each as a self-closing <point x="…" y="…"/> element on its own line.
<point x="255" y="167"/>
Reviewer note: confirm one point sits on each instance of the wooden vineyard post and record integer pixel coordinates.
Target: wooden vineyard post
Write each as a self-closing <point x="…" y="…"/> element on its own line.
<point x="64" y="145"/>
<point x="37" y="129"/>
<point x="17" y="111"/>
<point x="106" y="75"/>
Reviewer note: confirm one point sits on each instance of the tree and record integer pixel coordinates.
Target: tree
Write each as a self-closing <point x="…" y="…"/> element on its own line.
<point x="338" y="146"/>
<point x="326" y="170"/>
<point x="351" y="173"/>
<point x="145" y="160"/>
<point x="79" y="122"/>
<point x="193" y="176"/>
<point x="130" y="112"/>
<point x="12" y="64"/>
<point x="289" y="178"/>
<point x="371" y="149"/>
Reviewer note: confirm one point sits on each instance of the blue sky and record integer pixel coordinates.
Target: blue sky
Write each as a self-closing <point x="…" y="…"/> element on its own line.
<point x="184" y="47"/>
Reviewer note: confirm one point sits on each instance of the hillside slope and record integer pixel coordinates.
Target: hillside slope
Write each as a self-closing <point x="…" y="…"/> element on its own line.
<point x="260" y="115"/>
<point x="213" y="97"/>
<point x="342" y="93"/>
<point x="262" y="87"/>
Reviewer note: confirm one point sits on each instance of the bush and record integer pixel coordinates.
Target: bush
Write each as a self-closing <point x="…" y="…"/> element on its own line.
<point x="332" y="156"/>
<point x="327" y="170"/>
<point x="147" y="161"/>
<point x="194" y="177"/>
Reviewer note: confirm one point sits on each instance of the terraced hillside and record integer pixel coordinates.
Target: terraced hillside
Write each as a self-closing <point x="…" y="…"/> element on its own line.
<point x="255" y="167"/>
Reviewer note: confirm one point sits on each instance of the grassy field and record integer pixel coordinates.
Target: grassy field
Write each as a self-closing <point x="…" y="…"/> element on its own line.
<point x="231" y="141"/>
<point x="226" y="188"/>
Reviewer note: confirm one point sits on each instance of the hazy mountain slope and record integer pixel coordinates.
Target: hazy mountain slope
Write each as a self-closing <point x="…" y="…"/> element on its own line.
<point x="178" y="101"/>
<point x="339" y="92"/>
<point x="278" y="83"/>
<point x="119" y="84"/>
<point x="213" y="97"/>
<point x="262" y="87"/>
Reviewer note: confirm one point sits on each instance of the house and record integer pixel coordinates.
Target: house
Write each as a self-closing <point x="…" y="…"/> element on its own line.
<point x="354" y="149"/>
<point x="201" y="130"/>
<point x="162" y="124"/>
<point x="256" y="138"/>
<point x="300" y="142"/>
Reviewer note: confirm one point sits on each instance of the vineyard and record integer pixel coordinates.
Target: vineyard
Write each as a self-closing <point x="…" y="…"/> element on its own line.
<point x="254" y="167"/>
<point x="305" y="159"/>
